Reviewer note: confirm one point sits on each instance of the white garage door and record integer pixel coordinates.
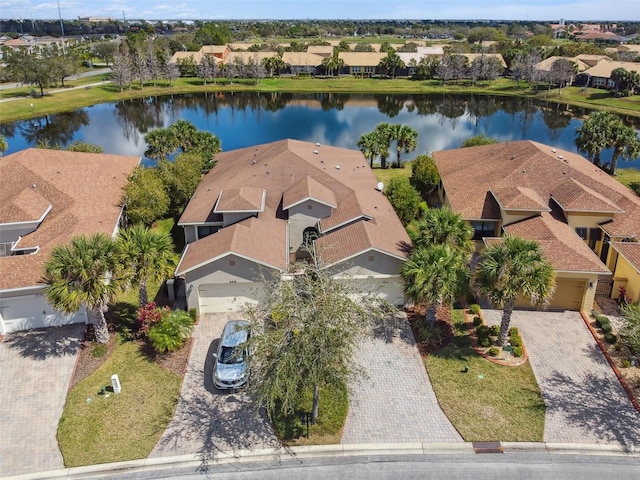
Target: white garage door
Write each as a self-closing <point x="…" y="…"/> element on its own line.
<point x="228" y="297"/>
<point x="33" y="311"/>
<point x="390" y="289"/>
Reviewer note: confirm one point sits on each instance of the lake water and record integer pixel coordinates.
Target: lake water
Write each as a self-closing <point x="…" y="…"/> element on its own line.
<point x="245" y="119"/>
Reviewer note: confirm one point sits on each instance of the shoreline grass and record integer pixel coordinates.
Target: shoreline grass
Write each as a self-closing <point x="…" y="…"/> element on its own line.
<point x="490" y="402"/>
<point x="21" y="108"/>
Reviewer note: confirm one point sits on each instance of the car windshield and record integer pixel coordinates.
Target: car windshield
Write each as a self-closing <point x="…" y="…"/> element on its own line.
<point x="231" y="355"/>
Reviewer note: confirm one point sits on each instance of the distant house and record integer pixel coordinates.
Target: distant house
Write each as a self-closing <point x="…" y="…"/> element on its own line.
<point x="262" y="208"/>
<point x="582" y="218"/>
<point x="46" y="198"/>
<point x="220" y="52"/>
<point x="599" y="76"/>
<point x="361" y="64"/>
<point x="303" y="62"/>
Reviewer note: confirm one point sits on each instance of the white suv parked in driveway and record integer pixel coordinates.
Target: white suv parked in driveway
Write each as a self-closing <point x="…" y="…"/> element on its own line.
<point x="230" y="370"/>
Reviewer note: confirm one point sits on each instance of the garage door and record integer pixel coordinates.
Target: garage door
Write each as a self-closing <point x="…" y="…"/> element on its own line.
<point x="568" y="295"/>
<point x="390" y="289"/>
<point x="228" y="297"/>
<point x="33" y="311"/>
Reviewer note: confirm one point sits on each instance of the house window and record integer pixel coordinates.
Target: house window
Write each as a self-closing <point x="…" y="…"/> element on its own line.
<point x="368" y="69"/>
<point x="483" y="229"/>
<point x="372" y="258"/>
<point x="309" y="206"/>
<point x="582" y="232"/>
<point x="595" y="234"/>
<point x="232" y="263"/>
<point x="355" y="69"/>
<point x="206" y="230"/>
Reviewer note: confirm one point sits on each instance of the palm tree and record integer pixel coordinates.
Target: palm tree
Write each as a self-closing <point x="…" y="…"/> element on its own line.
<point x="84" y="272"/>
<point x="434" y="275"/>
<point x="513" y="267"/>
<point x="592" y="137"/>
<point x="625" y="143"/>
<point x="441" y="226"/>
<point x="383" y="134"/>
<point x="146" y="255"/>
<point x="368" y="144"/>
<point x="406" y="140"/>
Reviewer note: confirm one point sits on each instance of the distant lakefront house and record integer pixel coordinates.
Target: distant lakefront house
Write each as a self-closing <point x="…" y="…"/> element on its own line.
<point x="587" y="223"/>
<point x="260" y="210"/>
<point x="47" y="197"/>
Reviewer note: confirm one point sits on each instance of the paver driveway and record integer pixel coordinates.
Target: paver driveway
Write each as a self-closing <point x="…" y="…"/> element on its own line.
<point x="396" y="403"/>
<point x="209" y="421"/>
<point x="585" y="401"/>
<point x="36" y="370"/>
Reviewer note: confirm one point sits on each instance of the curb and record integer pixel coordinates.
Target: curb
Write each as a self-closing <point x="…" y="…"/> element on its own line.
<point x="604" y="351"/>
<point x="318" y="451"/>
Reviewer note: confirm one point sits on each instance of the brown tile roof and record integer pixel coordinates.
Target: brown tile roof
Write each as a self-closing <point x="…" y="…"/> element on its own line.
<point x="305" y="59"/>
<point x="361" y="59"/>
<point x="263" y="240"/>
<point x="545" y="65"/>
<point x="195" y="56"/>
<point x="519" y="198"/>
<point x="561" y="246"/>
<point x="84" y="190"/>
<point x="350" y="211"/>
<point x="604" y="69"/>
<point x="281" y="165"/>
<point x="468" y="174"/>
<point x="308" y="188"/>
<point x="630" y="251"/>
<point x="322" y="50"/>
<point x="241" y="200"/>
<point x="25" y="206"/>
<point x="248" y="57"/>
<point x="573" y="196"/>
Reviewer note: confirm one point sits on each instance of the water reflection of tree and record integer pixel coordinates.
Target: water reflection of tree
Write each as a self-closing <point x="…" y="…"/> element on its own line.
<point x="482" y="106"/>
<point x="8" y="130"/>
<point x="452" y="107"/>
<point x="556" y="118"/>
<point x="54" y="130"/>
<point x="390" y="105"/>
<point x="333" y="101"/>
<point x="141" y="115"/>
<point x="424" y="104"/>
<point x="521" y="110"/>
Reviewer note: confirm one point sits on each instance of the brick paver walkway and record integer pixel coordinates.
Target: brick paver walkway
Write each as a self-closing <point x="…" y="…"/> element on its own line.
<point x="208" y="421"/>
<point x="585" y="401"/>
<point x="36" y="370"/>
<point x="396" y="403"/>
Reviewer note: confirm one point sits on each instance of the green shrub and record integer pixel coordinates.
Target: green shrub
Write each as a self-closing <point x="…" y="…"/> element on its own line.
<point x="171" y="332"/>
<point x="474" y="309"/>
<point x="494" y="351"/>
<point x="429" y="334"/>
<point x="606" y="328"/>
<point x="626" y="364"/>
<point x="193" y="313"/>
<point x="484" y="341"/>
<point x="483" y="331"/>
<point x="518" y="351"/>
<point x="99" y="350"/>
<point x="514" y="331"/>
<point x="477" y="321"/>
<point x="602" y="320"/>
<point x="515" y="340"/>
<point x="610" y="338"/>
<point x="494" y="330"/>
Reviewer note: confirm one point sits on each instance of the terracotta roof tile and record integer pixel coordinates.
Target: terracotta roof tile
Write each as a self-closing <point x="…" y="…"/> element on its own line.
<point x="572" y="196"/>
<point x="519" y="198"/>
<point x="84" y="190"/>
<point x="561" y="246"/>
<point x="241" y="200"/>
<point x="630" y="251"/>
<point x="25" y="206"/>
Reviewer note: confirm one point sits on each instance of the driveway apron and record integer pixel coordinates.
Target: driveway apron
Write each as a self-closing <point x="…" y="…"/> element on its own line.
<point x="208" y="421"/>
<point x="395" y="403"/>
<point x="36" y="370"/>
<point x="585" y="400"/>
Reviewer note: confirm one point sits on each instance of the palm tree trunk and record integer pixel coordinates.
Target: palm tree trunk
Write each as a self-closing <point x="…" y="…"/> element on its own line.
<point x="430" y="315"/>
<point x="614" y="162"/>
<point x="96" y="318"/>
<point x="143" y="298"/>
<point x="316" y="402"/>
<point x="506" y="319"/>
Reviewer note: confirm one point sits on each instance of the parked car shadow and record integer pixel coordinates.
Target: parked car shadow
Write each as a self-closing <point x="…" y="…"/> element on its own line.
<point x="47" y="342"/>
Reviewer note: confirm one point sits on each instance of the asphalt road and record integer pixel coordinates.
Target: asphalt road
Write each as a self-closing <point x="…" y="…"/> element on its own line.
<point x="472" y="467"/>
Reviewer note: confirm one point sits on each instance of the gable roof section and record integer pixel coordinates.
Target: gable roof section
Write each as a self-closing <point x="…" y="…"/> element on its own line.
<point x="519" y="198"/>
<point x="604" y="69"/>
<point x="304" y="59"/>
<point x="630" y="251"/>
<point x="321" y="50"/>
<point x="560" y="245"/>
<point x="262" y="240"/>
<point x="533" y="165"/>
<point x="240" y="200"/>
<point x="308" y="188"/>
<point x="361" y="59"/>
<point x="84" y="190"/>
<point x="573" y="196"/>
<point x="24" y="207"/>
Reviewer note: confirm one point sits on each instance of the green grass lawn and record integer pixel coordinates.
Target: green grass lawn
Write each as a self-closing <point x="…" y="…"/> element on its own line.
<point x="99" y="429"/>
<point x="490" y="402"/>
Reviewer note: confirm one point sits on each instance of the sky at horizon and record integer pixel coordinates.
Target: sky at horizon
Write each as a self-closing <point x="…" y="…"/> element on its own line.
<point x="534" y="10"/>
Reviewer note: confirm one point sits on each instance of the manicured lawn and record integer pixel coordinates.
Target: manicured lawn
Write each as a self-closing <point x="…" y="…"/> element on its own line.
<point x="489" y="402"/>
<point x="99" y="429"/>
<point x="629" y="177"/>
<point x="385" y="175"/>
